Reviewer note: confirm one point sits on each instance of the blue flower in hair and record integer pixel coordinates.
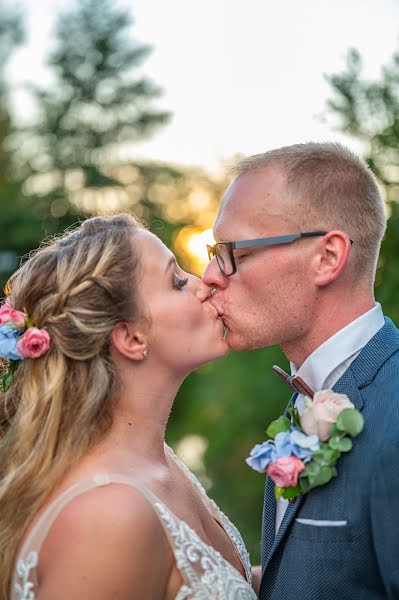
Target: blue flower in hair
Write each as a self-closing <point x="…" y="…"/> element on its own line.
<point x="9" y="337"/>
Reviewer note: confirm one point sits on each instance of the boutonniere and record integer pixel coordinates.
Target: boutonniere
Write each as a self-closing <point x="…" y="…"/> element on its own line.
<point x="303" y="451"/>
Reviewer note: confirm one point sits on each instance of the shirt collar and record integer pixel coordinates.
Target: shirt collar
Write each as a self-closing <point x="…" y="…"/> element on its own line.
<point x="339" y="347"/>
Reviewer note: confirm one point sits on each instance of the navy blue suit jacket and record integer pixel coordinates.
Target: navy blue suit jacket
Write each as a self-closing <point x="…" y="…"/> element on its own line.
<point x="358" y="560"/>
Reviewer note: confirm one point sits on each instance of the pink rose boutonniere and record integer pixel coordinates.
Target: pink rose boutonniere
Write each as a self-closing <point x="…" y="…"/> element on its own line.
<point x="302" y="452"/>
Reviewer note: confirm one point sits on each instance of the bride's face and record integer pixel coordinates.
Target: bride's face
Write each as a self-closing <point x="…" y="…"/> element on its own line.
<point x="185" y="331"/>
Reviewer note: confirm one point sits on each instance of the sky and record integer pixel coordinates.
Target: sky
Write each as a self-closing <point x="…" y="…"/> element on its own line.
<point x="240" y="76"/>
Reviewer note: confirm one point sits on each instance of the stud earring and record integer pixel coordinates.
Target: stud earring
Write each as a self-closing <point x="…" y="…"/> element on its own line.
<point x="145" y="353"/>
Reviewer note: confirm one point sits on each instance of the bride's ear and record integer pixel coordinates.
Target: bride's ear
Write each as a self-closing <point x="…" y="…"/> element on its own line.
<point x="130" y="340"/>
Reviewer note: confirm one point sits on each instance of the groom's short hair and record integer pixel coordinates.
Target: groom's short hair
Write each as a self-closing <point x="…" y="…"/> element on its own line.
<point x="332" y="188"/>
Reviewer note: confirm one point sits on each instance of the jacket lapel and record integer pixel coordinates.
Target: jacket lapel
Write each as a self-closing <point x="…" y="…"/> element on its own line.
<point x="360" y="374"/>
<point x="269" y="521"/>
<point x="348" y="385"/>
<point x="269" y="538"/>
<point x="289" y="516"/>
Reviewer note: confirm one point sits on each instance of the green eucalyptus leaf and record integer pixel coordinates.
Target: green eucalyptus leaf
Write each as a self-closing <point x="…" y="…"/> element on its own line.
<point x="304" y="484"/>
<point x="331" y="455"/>
<point x="6" y="381"/>
<point x="290" y="493"/>
<point x="350" y="421"/>
<point x="324" y="476"/>
<point x="312" y="469"/>
<point x="318" y="457"/>
<point x="333" y="431"/>
<point x="278" y="492"/>
<point x="334" y="442"/>
<point x="326" y="456"/>
<point x="277" y="426"/>
<point x="345" y="445"/>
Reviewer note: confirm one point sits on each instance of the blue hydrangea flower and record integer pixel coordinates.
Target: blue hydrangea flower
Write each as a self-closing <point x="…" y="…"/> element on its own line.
<point x="295" y="442"/>
<point x="261" y="455"/>
<point x="284" y="446"/>
<point x="9" y="337"/>
<point x="304" y="445"/>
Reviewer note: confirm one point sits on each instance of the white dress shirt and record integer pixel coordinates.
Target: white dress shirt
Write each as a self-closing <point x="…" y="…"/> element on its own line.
<point x="325" y="366"/>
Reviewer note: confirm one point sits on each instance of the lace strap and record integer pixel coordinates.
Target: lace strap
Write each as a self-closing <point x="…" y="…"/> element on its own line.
<point x="219" y="516"/>
<point x="25" y="576"/>
<point x="43" y="525"/>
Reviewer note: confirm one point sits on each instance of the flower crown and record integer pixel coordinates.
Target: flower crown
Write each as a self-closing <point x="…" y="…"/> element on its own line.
<point x="19" y="339"/>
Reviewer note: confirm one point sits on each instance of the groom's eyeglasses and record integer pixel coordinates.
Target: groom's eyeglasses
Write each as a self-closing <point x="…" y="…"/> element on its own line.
<point x="223" y="251"/>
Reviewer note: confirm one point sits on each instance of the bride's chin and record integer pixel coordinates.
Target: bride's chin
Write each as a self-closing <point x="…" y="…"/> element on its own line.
<point x="224" y="347"/>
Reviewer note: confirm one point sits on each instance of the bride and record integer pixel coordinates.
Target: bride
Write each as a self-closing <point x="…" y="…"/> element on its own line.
<point x="102" y="326"/>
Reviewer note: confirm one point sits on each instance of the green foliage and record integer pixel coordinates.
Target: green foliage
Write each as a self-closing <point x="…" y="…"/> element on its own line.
<point x="387" y="279"/>
<point x="229" y="403"/>
<point x="11" y="34"/>
<point x="278" y="426"/>
<point x="369" y="111"/>
<point x="65" y="165"/>
<point x="96" y="104"/>
<point x="289" y="493"/>
<point x="321" y="469"/>
<point x="325" y="455"/>
<point x="319" y="475"/>
<point x="350" y="421"/>
<point x="340" y="444"/>
<point x="7" y="378"/>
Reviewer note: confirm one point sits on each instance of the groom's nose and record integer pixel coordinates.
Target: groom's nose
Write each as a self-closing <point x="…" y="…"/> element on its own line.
<point x="213" y="276"/>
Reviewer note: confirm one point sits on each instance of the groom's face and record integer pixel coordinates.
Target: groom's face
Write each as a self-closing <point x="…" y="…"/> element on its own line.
<point x="269" y="300"/>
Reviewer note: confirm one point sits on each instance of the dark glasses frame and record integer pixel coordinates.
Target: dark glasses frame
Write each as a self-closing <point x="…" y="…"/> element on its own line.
<point x="275" y="240"/>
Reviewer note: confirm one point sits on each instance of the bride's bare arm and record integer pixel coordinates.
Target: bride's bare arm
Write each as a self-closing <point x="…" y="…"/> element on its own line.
<point x="107" y="543"/>
<point x="256" y="577"/>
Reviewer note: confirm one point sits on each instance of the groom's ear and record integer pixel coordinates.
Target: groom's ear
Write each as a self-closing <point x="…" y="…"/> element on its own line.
<point x="130" y="340"/>
<point x="331" y="258"/>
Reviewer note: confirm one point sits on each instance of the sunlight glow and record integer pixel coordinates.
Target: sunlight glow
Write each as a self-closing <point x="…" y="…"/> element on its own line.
<point x="191" y="243"/>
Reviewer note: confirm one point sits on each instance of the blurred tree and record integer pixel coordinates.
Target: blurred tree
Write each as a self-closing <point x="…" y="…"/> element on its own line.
<point x="11" y="35"/>
<point x="369" y="111"/>
<point x="87" y="119"/>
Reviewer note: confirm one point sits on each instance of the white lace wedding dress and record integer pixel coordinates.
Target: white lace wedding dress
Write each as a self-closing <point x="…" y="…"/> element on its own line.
<point x="206" y="574"/>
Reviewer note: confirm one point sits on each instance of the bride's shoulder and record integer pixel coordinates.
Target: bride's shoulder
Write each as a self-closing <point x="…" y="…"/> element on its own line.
<point x="108" y="534"/>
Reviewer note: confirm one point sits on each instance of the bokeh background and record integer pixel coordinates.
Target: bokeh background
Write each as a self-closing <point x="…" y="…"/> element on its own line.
<point x="143" y="105"/>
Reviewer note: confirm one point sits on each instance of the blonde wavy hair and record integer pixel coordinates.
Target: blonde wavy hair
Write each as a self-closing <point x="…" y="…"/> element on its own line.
<point x="60" y="404"/>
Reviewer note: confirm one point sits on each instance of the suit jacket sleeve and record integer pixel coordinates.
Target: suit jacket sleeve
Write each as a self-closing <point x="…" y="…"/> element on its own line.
<point x="385" y="517"/>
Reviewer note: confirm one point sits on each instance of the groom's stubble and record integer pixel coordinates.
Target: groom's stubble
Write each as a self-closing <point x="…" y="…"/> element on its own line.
<point x="268" y="300"/>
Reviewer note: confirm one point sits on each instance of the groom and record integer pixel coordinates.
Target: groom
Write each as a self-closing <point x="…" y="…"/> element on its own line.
<point x="313" y="295"/>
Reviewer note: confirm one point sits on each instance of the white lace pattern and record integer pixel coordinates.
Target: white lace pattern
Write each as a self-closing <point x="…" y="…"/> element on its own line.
<point x="206" y="574"/>
<point x="24" y="589"/>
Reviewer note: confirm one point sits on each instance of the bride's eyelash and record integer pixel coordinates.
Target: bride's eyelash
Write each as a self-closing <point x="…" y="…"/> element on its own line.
<point x="178" y="282"/>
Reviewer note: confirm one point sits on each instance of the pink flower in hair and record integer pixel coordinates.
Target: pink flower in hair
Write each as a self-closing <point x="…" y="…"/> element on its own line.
<point x="10" y="316"/>
<point x="33" y="343"/>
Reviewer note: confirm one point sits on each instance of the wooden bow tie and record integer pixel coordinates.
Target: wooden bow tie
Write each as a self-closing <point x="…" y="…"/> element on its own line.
<point x="295" y="383"/>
